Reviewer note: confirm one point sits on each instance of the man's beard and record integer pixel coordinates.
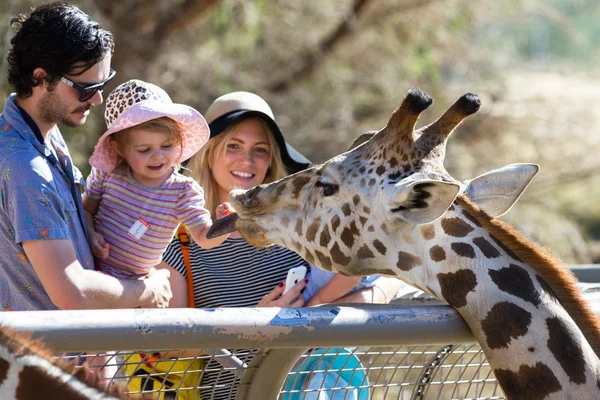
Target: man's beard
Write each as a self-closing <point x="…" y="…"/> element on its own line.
<point x="54" y="111"/>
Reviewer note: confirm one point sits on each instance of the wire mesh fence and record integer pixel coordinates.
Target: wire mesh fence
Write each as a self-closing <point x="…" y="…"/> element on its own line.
<point x="354" y="373"/>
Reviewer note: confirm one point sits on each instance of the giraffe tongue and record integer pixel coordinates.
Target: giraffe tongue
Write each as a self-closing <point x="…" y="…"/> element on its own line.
<point x="222" y="226"/>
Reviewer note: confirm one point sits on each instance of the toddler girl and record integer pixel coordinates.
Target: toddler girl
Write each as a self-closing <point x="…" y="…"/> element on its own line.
<point x="135" y="198"/>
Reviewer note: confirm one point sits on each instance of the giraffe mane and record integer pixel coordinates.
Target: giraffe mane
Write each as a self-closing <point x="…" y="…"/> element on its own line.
<point x="21" y="344"/>
<point x="560" y="279"/>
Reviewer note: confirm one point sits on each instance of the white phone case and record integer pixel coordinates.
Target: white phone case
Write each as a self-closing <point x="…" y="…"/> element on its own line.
<point x="294" y="276"/>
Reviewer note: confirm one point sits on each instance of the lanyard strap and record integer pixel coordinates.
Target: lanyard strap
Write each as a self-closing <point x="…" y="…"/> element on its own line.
<point x="184" y="241"/>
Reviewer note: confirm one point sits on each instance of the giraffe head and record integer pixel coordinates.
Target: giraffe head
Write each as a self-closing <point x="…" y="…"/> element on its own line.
<point x="345" y="214"/>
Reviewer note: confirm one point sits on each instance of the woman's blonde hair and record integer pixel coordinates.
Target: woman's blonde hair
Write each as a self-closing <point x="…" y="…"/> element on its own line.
<point x="201" y="163"/>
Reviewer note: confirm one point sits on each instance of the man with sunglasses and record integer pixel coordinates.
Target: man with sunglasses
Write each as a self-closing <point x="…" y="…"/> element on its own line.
<point x="59" y="63"/>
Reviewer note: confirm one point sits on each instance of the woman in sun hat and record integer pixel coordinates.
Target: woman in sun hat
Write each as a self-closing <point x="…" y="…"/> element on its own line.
<point x="135" y="198"/>
<point x="246" y="148"/>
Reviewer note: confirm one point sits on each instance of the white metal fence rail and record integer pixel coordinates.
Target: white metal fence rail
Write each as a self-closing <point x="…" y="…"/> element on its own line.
<point x="418" y="350"/>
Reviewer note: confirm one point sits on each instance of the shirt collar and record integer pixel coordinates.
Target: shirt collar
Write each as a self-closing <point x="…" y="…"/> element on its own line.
<point x="25" y="126"/>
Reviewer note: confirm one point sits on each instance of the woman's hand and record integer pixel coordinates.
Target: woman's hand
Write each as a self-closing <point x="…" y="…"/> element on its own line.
<point x="293" y="298"/>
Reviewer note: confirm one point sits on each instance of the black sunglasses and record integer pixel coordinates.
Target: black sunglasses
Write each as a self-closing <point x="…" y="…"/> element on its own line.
<point x="87" y="92"/>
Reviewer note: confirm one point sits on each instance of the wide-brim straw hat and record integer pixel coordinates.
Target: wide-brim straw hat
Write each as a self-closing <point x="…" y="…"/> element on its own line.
<point x="235" y="106"/>
<point x="135" y="102"/>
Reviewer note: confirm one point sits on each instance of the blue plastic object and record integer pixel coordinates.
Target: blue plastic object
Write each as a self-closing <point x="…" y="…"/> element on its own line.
<point x="337" y="368"/>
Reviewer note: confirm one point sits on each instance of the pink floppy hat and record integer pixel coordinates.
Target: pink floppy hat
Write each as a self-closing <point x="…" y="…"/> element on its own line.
<point x="135" y="102"/>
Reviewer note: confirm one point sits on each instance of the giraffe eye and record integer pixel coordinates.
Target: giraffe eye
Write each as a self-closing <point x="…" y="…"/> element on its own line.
<point x="329" y="189"/>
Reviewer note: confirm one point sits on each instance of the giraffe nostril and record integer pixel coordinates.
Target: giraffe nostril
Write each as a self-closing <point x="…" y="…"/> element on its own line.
<point x="252" y="192"/>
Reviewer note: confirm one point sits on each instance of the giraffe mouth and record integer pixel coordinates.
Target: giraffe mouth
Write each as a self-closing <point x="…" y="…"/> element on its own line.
<point x="223" y="226"/>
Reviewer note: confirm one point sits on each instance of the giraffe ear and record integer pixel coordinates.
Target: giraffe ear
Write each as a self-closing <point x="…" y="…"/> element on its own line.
<point x="422" y="201"/>
<point x="495" y="192"/>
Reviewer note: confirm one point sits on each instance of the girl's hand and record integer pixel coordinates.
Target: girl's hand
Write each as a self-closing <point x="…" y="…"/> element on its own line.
<point x="100" y="249"/>
<point x="293" y="298"/>
<point x="224" y="210"/>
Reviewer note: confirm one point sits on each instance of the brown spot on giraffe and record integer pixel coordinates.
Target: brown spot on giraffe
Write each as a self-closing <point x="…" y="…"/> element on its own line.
<point x="372" y="182"/>
<point x="308" y="257"/>
<point x="298" y="228"/>
<point x="33" y="381"/>
<point x="546" y="288"/>
<point x="367" y="209"/>
<point x="486" y="248"/>
<point x="338" y="256"/>
<point x="463" y="249"/>
<point x="335" y="223"/>
<point x="506" y="249"/>
<point x="4" y="366"/>
<point x="516" y="281"/>
<point x="325" y="237"/>
<point x="298" y="183"/>
<point x="346" y="209"/>
<point x="356" y="199"/>
<point x="279" y="189"/>
<point x="522" y="384"/>
<point x="471" y="218"/>
<point x="428" y="231"/>
<point x="347" y="237"/>
<point x="380" y="247"/>
<point x="456" y="227"/>
<point x="363" y="220"/>
<point x="407" y="261"/>
<point x="504" y="322"/>
<point x="455" y="286"/>
<point x="380" y="170"/>
<point x="285" y="221"/>
<point x="364" y="252"/>
<point x="324" y="261"/>
<point x="371" y="228"/>
<point x="566" y="349"/>
<point x="311" y="232"/>
<point x="437" y="253"/>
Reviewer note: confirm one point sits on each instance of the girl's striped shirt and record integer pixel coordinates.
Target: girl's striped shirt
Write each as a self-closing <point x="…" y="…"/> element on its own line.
<point x="138" y="222"/>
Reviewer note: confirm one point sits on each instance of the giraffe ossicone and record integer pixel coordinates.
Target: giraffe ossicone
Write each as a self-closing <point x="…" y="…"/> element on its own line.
<point x="389" y="206"/>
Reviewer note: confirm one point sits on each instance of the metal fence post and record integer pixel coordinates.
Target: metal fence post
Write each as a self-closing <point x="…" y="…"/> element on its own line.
<point x="265" y="381"/>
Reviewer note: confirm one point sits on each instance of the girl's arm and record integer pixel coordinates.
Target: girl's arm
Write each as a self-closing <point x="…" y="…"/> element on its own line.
<point x="99" y="247"/>
<point x="199" y="235"/>
<point x="337" y="287"/>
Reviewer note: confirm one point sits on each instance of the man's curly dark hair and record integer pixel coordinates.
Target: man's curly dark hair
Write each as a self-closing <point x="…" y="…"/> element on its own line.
<point x="57" y="37"/>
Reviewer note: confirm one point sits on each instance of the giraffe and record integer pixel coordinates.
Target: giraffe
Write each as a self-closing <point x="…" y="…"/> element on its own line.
<point x="28" y="373"/>
<point x="388" y="206"/>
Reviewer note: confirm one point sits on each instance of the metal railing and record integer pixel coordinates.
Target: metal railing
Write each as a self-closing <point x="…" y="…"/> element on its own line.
<point x="412" y="349"/>
<point x="393" y="351"/>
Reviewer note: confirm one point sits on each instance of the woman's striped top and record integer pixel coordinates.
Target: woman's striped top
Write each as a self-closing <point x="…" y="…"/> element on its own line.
<point x="233" y="274"/>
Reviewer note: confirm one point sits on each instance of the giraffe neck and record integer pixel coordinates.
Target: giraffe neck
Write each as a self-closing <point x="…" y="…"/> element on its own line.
<point x="27" y="373"/>
<point x="506" y="290"/>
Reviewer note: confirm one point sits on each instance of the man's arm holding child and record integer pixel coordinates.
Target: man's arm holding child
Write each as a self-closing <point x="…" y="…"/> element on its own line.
<point x="70" y="286"/>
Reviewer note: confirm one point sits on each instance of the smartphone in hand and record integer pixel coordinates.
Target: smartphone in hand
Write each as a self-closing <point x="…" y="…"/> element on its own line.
<point x="294" y="276"/>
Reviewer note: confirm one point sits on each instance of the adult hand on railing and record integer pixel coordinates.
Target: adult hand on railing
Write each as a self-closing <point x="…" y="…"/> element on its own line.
<point x="158" y="289"/>
<point x="293" y="298"/>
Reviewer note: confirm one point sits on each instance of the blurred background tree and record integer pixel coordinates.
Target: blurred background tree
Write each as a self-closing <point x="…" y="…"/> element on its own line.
<point x="332" y="70"/>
